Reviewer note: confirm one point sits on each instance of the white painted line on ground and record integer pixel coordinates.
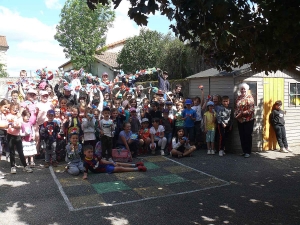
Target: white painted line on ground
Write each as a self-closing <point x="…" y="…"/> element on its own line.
<point x="60" y="188"/>
<point x="71" y="208"/>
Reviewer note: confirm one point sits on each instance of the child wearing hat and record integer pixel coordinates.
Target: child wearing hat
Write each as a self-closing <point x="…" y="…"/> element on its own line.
<point x="144" y="135"/>
<point x="189" y="116"/>
<point x="210" y="127"/>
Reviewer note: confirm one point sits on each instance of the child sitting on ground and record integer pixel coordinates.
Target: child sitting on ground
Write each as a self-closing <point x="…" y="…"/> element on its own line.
<point x="74" y="155"/>
<point x="180" y="145"/>
<point x="98" y="165"/>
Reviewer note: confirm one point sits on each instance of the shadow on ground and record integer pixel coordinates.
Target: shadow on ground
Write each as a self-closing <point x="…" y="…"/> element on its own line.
<point x="264" y="189"/>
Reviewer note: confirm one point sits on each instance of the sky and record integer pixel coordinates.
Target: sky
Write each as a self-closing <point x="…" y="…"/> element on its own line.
<point x="29" y="27"/>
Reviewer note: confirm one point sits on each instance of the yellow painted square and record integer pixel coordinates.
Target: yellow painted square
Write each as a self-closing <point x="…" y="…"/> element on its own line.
<point x="73" y="181"/>
<point x="178" y="169"/>
<point x="156" y="159"/>
<point x="87" y="201"/>
<point x="154" y="191"/>
<point x="130" y="176"/>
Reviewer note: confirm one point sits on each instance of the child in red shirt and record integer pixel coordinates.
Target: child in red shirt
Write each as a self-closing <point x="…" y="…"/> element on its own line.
<point x="144" y="135"/>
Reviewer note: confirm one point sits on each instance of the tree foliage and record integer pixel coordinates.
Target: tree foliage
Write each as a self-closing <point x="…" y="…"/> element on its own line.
<point x="153" y="49"/>
<point x="81" y="31"/>
<point x="262" y="33"/>
<point x="3" y="72"/>
<point x="140" y="52"/>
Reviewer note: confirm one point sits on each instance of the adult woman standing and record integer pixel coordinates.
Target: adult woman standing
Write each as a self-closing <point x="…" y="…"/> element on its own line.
<point x="244" y="113"/>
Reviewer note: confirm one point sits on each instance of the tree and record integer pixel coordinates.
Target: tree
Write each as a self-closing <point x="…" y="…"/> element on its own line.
<point x="152" y="49"/>
<point x="3" y="72"/>
<point x="141" y="52"/>
<point x="262" y="33"/>
<point x="81" y="31"/>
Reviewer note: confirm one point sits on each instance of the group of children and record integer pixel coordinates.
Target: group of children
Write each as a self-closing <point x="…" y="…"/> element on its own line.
<point x="83" y="127"/>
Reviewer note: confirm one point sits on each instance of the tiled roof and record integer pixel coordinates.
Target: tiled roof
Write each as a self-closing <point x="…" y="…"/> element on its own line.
<point x="214" y="72"/>
<point x="116" y="43"/>
<point x="109" y="58"/>
<point x="3" y="42"/>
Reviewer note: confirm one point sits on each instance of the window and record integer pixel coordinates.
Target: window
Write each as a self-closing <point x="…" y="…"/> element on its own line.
<point x="294" y="94"/>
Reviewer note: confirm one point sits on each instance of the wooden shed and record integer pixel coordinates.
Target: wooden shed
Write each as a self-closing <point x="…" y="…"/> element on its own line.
<point x="266" y="89"/>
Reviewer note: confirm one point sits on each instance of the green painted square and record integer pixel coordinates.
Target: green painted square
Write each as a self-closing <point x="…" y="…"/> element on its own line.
<point x="110" y="187"/>
<point x="168" y="179"/>
<point x="151" y="166"/>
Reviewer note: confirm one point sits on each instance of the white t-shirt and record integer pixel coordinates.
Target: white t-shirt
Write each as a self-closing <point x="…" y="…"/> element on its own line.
<point x="198" y="112"/>
<point x="108" y="127"/>
<point x="157" y="132"/>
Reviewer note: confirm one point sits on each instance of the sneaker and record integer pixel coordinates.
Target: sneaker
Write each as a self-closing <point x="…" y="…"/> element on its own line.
<point x="54" y="164"/>
<point x="162" y="152"/>
<point x="212" y="152"/>
<point x="247" y="155"/>
<point x="221" y="153"/>
<point x="208" y="152"/>
<point x="283" y="150"/>
<point x="13" y="170"/>
<point x="139" y="164"/>
<point x="142" y="168"/>
<point x="289" y="150"/>
<point x="32" y="164"/>
<point x="28" y="169"/>
<point x="47" y="164"/>
<point x="153" y="152"/>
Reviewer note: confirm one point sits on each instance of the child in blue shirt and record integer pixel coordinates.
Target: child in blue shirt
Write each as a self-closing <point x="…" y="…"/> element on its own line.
<point x="189" y="116"/>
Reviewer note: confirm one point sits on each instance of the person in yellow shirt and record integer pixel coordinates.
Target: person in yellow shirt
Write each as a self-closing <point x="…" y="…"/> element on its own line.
<point x="210" y="127"/>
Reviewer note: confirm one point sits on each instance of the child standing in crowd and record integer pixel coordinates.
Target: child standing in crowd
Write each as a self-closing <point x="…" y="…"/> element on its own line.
<point x="96" y="164"/>
<point x="118" y="118"/>
<point x="144" y="135"/>
<point x="134" y="121"/>
<point x="224" y="123"/>
<point x="277" y="121"/>
<point x="96" y="113"/>
<point x="49" y="131"/>
<point x="4" y="111"/>
<point x="180" y="145"/>
<point x="210" y="127"/>
<point x="189" y="117"/>
<point x="107" y="127"/>
<point x="157" y="136"/>
<point x="28" y="143"/>
<point x="179" y="122"/>
<point x="168" y="125"/>
<point x="72" y="124"/>
<point x="14" y="139"/>
<point x="197" y="107"/>
<point x="88" y="128"/>
<point x="74" y="156"/>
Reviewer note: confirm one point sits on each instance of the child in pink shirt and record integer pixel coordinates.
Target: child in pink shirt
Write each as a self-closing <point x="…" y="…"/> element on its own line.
<point x="14" y="138"/>
<point x="28" y="140"/>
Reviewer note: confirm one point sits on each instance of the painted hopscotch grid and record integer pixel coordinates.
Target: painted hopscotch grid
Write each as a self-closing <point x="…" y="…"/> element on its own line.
<point x="164" y="177"/>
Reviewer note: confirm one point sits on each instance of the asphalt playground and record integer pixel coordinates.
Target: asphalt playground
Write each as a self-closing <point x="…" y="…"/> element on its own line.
<point x="202" y="189"/>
